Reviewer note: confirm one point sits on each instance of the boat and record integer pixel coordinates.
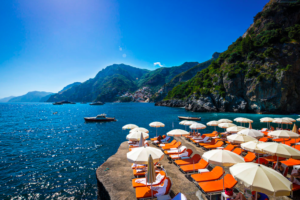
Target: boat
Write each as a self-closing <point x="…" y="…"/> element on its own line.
<point x="100" y="118"/>
<point x="189" y="118"/>
<point x="98" y="103"/>
<point x="63" y="102"/>
<point x="57" y="103"/>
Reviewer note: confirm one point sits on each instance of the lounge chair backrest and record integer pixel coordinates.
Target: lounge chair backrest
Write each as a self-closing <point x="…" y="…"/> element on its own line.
<point x="217" y="170"/>
<point x="229" y="181"/>
<point x="219" y="143"/>
<point x="238" y="151"/>
<point x="177" y="144"/>
<point x="264" y="139"/>
<point x="229" y="147"/>
<point x="250" y="156"/>
<point x="214" y="132"/>
<point x="196" y="158"/>
<point x="182" y="149"/>
<point x="190" y="151"/>
<point x="202" y="161"/>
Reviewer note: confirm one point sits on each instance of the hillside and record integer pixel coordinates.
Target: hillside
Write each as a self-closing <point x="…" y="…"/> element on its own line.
<point x="115" y="80"/>
<point x="6" y="99"/>
<point x="69" y="86"/>
<point x="258" y="73"/>
<point x="34" y="96"/>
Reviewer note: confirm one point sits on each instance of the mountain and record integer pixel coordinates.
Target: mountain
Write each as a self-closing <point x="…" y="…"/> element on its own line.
<point x="6" y="99"/>
<point x="69" y="86"/>
<point x="34" y="96"/>
<point x="184" y="76"/>
<point x="157" y="78"/>
<point x="115" y="80"/>
<point x="258" y="73"/>
<point x="107" y="85"/>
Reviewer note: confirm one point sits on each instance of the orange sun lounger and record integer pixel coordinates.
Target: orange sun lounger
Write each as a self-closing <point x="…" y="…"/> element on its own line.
<point x="238" y="151"/>
<point x="218" y="144"/>
<point x="145" y="192"/>
<point x="142" y="173"/>
<point x="171" y="147"/>
<point x="168" y="144"/>
<point x="189" y="152"/>
<point x="202" y="164"/>
<point x="194" y="159"/>
<point x="229" y="147"/>
<point x="212" y="142"/>
<point x="213" y="134"/>
<point x="290" y="162"/>
<point x="135" y="184"/>
<point x="217" y="186"/>
<point x="215" y="174"/>
<point x="250" y="157"/>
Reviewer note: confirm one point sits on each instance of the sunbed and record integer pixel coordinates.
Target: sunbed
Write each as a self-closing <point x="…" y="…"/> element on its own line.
<point x="218" y="144"/>
<point x="238" y="151"/>
<point x="141" y="182"/>
<point x="186" y="153"/>
<point x="215" y="174"/>
<point x="264" y="139"/>
<point x="168" y="144"/>
<point x="162" y="189"/>
<point x="175" y="146"/>
<point x="212" y="142"/>
<point x="214" y="133"/>
<point x="142" y="172"/>
<point x="250" y="157"/>
<point x="155" y="138"/>
<point x="167" y="139"/>
<point x="195" y="159"/>
<point x="290" y="162"/>
<point x="229" y="147"/>
<point x="173" y="151"/>
<point x="212" y="187"/>
<point x="202" y="164"/>
<point x="203" y="140"/>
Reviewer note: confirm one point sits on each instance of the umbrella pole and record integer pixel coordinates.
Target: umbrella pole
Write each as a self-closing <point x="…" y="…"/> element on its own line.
<point x="223" y="180"/>
<point x="256" y="195"/>
<point x="215" y="128"/>
<point x="151" y="191"/>
<point x="277" y="163"/>
<point x="156" y="131"/>
<point x="295" y="143"/>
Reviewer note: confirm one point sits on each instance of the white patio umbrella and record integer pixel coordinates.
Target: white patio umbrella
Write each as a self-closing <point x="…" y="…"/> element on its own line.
<point x="284" y="134"/>
<point x="267" y="120"/>
<point x="261" y="179"/>
<point x="197" y="126"/>
<point x="279" y="150"/>
<point x="235" y="129"/>
<point x="139" y="129"/>
<point x="239" y="138"/>
<point x="244" y="120"/>
<point x="290" y="119"/>
<point x="226" y="125"/>
<point x="188" y="123"/>
<point x="140" y="155"/>
<point x="136" y="135"/>
<point x="298" y="119"/>
<point x="156" y="125"/>
<point x="129" y="126"/>
<point x="222" y="158"/>
<point x="213" y="123"/>
<point x="177" y="133"/>
<point x="151" y="176"/>
<point x="252" y="147"/>
<point x="281" y="121"/>
<point x="224" y="121"/>
<point x="182" y="123"/>
<point x="252" y="132"/>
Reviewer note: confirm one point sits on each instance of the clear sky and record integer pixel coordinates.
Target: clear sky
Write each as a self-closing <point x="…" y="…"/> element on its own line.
<point x="48" y="44"/>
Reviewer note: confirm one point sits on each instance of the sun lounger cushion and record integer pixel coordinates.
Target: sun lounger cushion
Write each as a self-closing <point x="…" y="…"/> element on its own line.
<point x="215" y="174"/>
<point x="229" y="147"/>
<point x="217" y="186"/>
<point x="250" y="157"/>
<point x="145" y="192"/>
<point x="290" y="162"/>
<point x="135" y="166"/>
<point x="141" y="182"/>
<point x="186" y="153"/>
<point x="169" y="144"/>
<point x="218" y="144"/>
<point x="194" y="159"/>
<point x="202" y="164"/>
<point x="176" y="151"/>
<point x="171" y="147"/>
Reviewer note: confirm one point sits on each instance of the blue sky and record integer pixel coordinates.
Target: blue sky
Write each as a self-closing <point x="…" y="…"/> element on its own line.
<point x="47" y="44"/>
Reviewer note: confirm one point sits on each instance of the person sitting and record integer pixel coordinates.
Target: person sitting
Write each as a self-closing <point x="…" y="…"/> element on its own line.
<point x="280" y="168"/>
<point x="295" y="176"/>
<point x="260" y="196"/>
<point x="159" y="139"/>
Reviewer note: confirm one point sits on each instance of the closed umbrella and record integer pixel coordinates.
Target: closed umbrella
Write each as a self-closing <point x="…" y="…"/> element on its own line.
<point x="222" y="158"/>
<point x="235" y="129"/>
<point x="224" y="121"/>
<point x="295" y="129"/>
<point x="151" y="177"/>
<point x="261" y="179"/>
<point x="267" y="120"/>
<point x="129" y="126"/>
<point x="239" y="138"/>
<point x="139" y="129"/>
<point x="213" y="123"/>
<point x="156" y="125"/>
<point x="140" y="155"/>
<point x="141" y="143"/>
<point x="252" y="132"/>
<point x="136" y="135"/>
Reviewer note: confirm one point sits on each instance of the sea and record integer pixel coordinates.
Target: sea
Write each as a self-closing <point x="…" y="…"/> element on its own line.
<point x="49" y="152"/>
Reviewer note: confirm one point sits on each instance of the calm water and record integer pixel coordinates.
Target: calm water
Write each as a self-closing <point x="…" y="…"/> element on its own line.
<point x="55" y="156"/>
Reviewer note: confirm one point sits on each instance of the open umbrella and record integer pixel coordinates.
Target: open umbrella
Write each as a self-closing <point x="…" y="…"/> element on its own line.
<point x="151" y="177"/>
<point x="261" y="179"/>
<point x="290" y="119"/>
<point x="243" y="120"/>
<point x="284" y="134"/>
<point x="213" y="123"/>
<point x="224" y="121"/>
<point x="239" y="138"/>
<point x="129" y="126"/>
<point x="156" y="125"/>
<point x="252" y="132"/>
<point x="252" y="147"/>
<point x="235" y="129"/>
<point x="281" y="121"/>
<point x="267" y="120"/>
<point x="298" y="119"/>
<point x="197" y="126"/>
<point x="139" y="129"/>
<point x="140" y="155"/>
<point x="136" y="135"/>
<point x="226" y="125"/>
<point x="177" y="133"/>
<point x="182" y="123"/>
<point x="222" y="158"/>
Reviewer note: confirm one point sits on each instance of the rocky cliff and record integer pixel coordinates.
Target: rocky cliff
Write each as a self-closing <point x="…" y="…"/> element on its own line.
<point x="258" y="73"/>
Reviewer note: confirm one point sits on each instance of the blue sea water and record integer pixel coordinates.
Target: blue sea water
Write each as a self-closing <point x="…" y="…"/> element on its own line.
<point x="54" y="156"/>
